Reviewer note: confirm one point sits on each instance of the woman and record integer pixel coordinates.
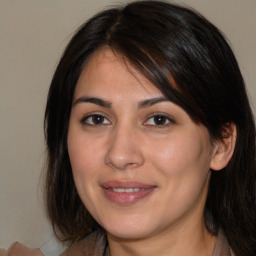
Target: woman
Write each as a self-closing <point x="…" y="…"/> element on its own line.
<point x="151" y="139"/>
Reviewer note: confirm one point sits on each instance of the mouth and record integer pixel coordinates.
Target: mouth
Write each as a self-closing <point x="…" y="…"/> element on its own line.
<point x="127" y="192"/>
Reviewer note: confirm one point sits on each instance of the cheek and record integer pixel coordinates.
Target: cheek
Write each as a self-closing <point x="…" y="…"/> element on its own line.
<point x="178" y="155"/>
<point x="83" y="155"/>
<point x="183" y="164"/>
<point x="84" y="163"/>
<point x="183" y="170"/>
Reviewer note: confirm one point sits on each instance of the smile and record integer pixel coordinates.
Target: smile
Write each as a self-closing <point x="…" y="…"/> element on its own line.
<point x="126" y="192"/>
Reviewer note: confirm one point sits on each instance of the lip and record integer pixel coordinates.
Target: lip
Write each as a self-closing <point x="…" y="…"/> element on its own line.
<point x="137" y="191"/>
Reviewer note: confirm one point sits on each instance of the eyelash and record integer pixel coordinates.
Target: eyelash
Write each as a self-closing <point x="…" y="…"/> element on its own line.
<point x="167" y="120"/>
<point x="163" y="116"/>
<point x="85" y="119"/>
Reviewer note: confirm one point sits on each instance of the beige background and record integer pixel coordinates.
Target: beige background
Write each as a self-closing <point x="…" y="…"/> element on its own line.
<point x="33" y="35"/>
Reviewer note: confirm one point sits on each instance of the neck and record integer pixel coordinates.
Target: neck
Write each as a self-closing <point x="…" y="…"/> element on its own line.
<point x="180" y="242"/>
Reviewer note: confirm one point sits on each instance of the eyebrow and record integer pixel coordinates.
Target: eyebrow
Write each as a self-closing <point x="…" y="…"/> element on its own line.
<point x="151" y="102"/>
<point x="94" y="100"/>
<point x="107" y="104"/>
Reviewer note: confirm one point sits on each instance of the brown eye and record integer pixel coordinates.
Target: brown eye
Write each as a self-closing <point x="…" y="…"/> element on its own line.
<point x="158" y="121"/>
<point x="95" y="120"/>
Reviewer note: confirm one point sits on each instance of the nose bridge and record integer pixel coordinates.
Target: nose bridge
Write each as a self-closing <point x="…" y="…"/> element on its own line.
<point x="124" y="150"/>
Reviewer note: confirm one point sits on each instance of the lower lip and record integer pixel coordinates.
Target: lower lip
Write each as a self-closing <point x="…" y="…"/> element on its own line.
<point x="124" y="198"/>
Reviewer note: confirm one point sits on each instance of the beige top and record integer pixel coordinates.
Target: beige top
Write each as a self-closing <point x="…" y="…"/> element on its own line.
<point x="95" y="244"/>
<point x="87" y="247"/>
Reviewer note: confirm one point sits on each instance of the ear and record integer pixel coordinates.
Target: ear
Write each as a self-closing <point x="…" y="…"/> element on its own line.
<point x="224" y="148"/>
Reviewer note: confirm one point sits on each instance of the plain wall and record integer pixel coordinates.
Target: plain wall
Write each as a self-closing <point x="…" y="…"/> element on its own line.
<point x="33" y="35"/>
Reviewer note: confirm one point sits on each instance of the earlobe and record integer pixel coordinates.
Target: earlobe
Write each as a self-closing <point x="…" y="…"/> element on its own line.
<point x="224" y="148"/>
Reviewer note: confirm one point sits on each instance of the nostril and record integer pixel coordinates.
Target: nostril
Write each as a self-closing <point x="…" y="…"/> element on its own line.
<point x="124" y="150"/>
<point x="125" y="159"/>
<point x="122" y="165"/>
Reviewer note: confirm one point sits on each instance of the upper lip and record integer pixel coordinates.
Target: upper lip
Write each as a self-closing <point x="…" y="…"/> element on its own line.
<point x="125" y="184"/>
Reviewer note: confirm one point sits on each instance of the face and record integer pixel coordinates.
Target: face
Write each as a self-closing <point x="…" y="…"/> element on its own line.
<point x="140" y="164"/>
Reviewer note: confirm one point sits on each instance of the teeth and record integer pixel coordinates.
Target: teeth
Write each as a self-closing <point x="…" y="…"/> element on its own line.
<point x="126" y="190"/>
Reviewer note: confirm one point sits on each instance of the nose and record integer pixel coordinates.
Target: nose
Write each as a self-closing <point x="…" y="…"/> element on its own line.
<point x="125" y="149"/>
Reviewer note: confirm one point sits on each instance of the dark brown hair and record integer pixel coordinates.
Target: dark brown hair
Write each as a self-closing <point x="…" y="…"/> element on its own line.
<point x="161" y="39"/>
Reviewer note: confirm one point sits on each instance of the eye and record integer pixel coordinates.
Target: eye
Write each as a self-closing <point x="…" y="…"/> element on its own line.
<point x="95" y="120"/>
<point x="158" y="121"/>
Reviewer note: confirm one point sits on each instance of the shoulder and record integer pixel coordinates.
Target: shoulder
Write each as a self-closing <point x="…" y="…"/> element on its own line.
<point x="18" y="249"/>
<point x="93" y="244"/>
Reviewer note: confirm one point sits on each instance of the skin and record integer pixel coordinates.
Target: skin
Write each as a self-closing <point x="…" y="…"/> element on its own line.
<point x="123" y="141"/>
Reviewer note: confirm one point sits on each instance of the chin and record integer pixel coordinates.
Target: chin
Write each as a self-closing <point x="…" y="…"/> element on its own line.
<point x="133" y="228"/>
<point x="128" y="234"/>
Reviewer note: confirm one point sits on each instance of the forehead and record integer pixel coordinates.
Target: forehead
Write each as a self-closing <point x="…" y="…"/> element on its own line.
<point x="106" y="72"/>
